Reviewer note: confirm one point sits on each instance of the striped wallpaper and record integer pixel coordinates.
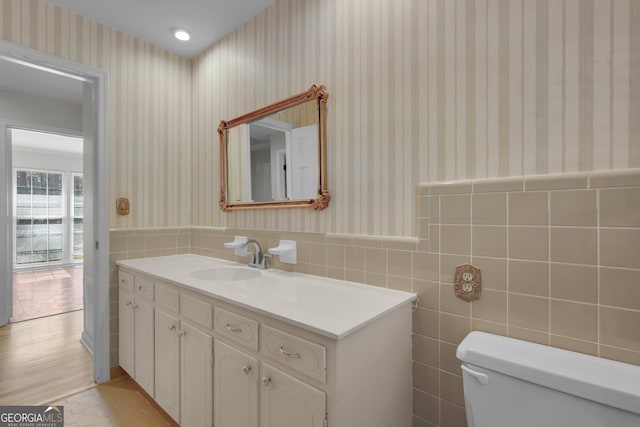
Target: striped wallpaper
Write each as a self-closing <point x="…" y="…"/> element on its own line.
<point x="420" y="90"/>
<point x="427" y="90"/>
<point x="149" y="106"/>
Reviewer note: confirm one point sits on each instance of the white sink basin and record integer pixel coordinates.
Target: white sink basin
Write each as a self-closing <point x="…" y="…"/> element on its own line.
<point x="226" y="274"/>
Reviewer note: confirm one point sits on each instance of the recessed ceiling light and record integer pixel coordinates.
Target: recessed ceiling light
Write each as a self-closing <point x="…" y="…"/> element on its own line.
<point x="182" y="35"/>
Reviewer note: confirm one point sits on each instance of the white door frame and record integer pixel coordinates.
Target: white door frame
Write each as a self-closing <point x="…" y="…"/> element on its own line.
<point x="100" y="301"/>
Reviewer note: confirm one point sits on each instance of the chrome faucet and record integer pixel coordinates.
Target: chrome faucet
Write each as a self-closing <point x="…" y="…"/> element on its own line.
<point x="258" y="258"/>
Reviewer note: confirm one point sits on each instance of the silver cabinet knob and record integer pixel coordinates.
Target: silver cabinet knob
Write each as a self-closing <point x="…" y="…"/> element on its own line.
<point x="181" y="333"/>
<point x="172" y="327"/>
<point x="140" y="288"/>
<point x="128" y="303"/>
<point x="266" y="381"/>
<point x="246" y="369"/>
<point x="135" y="306"/>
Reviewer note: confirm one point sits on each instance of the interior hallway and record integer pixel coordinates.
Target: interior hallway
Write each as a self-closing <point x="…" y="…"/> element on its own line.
<point x="42" y="360"/>
<point x="45" y="292"/>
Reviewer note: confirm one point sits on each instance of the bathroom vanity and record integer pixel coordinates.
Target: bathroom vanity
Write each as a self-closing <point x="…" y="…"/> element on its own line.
<point x="217" y="343"/>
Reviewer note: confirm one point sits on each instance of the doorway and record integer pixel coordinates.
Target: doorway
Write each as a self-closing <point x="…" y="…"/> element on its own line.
<point x="47" y="193"/>
<point x="95" y="236"/>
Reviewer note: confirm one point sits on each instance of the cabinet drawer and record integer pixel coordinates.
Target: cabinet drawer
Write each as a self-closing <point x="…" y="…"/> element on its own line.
<point x="144" y="287"/>
<point x="199" y="312"/>
<point x="167" y="297"/>
<point x="236" y="327"/>
<point x="125" y="280"/>
<point x="298" y="353"/>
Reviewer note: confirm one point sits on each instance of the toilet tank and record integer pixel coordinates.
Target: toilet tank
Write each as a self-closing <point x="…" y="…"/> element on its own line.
<point x="514" y="383"/>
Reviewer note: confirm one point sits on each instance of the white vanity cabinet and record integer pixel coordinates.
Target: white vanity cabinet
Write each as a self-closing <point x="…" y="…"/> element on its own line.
<point x="249" y="392"/>
<point x="220" y="361"/>
<point x="196" y="377"/>
<point x="285" y="401"/>
<point x="235" y="393"/>
<point x="167" y="361"/>
<point x="183" y="359"/>
<point x="136" y="329"/>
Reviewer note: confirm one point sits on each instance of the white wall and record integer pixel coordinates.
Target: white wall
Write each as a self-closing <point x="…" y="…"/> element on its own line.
<point x="21" y="107"/>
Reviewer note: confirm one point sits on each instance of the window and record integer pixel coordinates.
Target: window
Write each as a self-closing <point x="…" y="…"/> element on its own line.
<point x="41" y="220"/>
<point x="78" y="192"/>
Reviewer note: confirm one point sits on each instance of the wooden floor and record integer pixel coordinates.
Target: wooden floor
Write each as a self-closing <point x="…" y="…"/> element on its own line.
<point x="42" y="360"/>
<point x="120" y="402"/>
<point x="45" y="292"/>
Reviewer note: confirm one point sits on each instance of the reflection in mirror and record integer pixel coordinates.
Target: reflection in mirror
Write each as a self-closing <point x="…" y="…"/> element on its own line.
<point x="275" y="157"/>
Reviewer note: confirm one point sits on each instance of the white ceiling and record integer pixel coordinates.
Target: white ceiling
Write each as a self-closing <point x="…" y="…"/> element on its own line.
<point x="155" y="20"/>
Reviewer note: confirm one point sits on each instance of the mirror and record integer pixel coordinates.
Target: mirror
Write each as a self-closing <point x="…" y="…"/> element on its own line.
<point x="275" y="156"/>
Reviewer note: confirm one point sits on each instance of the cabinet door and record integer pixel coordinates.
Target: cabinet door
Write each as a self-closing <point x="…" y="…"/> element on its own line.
<point x="125" y="325"/>
<point x="167" y="358"/>
<point x="143" y="344"/>
<point x="196" y="377"/>
<point x="235" y="380"/>
<point x="286" y="401"/>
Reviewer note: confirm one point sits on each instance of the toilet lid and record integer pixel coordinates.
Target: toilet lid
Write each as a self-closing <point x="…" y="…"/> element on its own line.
<point x="606" y="381"/>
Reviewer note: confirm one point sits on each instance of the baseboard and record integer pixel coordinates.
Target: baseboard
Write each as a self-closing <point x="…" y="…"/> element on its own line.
<point x="87" y="342"/>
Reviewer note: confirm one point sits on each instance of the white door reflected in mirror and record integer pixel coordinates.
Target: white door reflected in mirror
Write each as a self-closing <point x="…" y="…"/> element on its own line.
<point x="276" y="156"/>
<point x="272" y="159"/>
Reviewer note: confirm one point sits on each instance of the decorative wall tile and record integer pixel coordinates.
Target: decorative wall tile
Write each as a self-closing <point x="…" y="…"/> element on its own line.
<point x="574" y="245"/>
<point x="529" y="243"/>
<point x="574" y="282"/>
<point x="573" y="319"/>
<point x="491" y="306"/>
<point x="490" y="209"/>
<point x="620" y="288"/>
<point x="529" y="277"/>
<point x="620" y="247"/>
<point x="528" y="208"/>
<point x="489" y="241"/>
<point x="573" y="208"/>
<point x="529" y="312"/>
<point x="620" y="207"/>
<point x="455" y="209"/>
<point x="618" y="328"/>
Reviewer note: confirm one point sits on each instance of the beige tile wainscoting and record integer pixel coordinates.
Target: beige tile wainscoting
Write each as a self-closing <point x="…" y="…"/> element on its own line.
<point x="559" y="257"/>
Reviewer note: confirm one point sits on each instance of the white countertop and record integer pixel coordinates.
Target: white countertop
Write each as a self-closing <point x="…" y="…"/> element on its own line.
<point x="329" y="307"/>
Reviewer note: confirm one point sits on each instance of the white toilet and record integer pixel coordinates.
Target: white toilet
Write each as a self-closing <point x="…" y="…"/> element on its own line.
<point x="514" y="383"/>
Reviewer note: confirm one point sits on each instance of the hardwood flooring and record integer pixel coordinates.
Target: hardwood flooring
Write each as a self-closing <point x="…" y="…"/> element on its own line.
<point x="45" y="292"/>
<point x="43" y="362"/>
<point x="120" y="402"/>
<point x="42" y="359"/>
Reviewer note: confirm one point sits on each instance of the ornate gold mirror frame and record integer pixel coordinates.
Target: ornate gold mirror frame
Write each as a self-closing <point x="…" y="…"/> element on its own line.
<point x="315" y="93"/>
